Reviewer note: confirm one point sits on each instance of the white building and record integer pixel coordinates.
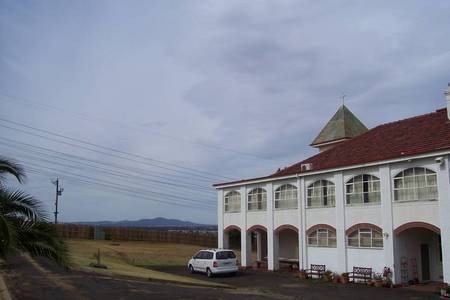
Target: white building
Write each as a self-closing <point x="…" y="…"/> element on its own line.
<point x="371" y="198"/>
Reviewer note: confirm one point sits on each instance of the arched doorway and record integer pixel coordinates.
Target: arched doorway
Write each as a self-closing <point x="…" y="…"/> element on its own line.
<point x="232" y="238"/>
<point x="257" y="237"/>
<point x="418" y="252"/>
<point x="287" y="248"/>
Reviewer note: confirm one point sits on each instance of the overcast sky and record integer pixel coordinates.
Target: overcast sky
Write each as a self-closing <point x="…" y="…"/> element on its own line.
<point x="212" y="90"/>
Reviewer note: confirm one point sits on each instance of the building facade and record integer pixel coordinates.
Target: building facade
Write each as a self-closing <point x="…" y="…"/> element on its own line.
<point x="371" y="198"/>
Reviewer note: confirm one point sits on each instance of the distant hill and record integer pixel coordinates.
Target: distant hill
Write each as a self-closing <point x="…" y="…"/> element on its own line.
<point x="149" y="223"/>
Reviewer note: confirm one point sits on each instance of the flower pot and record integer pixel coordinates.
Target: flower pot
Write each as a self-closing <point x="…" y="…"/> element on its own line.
<point x="302" y="275"/>
<point x="344" y="279"/>
<point x="378" y="283"/>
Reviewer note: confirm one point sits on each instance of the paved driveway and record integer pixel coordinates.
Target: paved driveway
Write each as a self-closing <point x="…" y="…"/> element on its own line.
<point x="44" y="280"/>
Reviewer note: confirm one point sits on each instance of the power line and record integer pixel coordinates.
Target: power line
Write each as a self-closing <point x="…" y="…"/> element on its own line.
<point x="103" y="170"/>
<point x="117" y="166"/>
<point x="136" y="127"/>
<point x="109" y="154"/>
<point x="130" y="188"/>
<point x="117" y="190"/>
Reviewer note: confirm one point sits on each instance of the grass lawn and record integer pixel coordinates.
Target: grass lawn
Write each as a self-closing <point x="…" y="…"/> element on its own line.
<point x="135" y="259"/>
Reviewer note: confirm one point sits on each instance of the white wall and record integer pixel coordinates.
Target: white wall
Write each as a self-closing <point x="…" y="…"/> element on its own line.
<point x="368" y="258"/>
<point x="363" y="214"/>
<point x="406" y="212"/>
<point x="286" y="217"/>
<point x="256" y="218"/>
<point x="326" y="215"/>
<point x="323" y="256"/>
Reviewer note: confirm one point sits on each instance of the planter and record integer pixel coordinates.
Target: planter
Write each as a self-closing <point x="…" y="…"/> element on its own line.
<point x="336" y="279"/>
<point x="344" y="279"/>
<point x="378" y="283"/>
<point x="302" y="275"/>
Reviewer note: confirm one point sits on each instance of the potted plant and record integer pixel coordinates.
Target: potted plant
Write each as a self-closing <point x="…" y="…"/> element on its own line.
<point x="445" y="290"/>
<point x="378" y="279"/>
<point x="344" y="278"/>
<point x="328" y="276"/>
<point x="387" y="277"/>
<point x="302" y="274"/>
<point x="336" y="277"/>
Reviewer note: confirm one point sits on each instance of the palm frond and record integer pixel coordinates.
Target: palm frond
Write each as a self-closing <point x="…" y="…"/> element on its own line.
<point x="39" y="238"/>
<point x="7" y="234"/>
<point x="8" y="166"/>
<point x="20" y="204"/>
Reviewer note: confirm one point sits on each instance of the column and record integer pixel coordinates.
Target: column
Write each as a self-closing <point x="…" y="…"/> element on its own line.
<point x="340" y="222"/>
<point x="272" y="238"/>
<point x="444" y="214"/>
<point x="246" y="244"/>
<point x="258" y="246"/>
<point x="387" y="220"/>
<point x="220" y="228"/>
<point x="302" y="255"/>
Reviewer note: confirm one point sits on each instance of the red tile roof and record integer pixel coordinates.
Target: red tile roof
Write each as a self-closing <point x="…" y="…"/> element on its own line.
<point x="418" y="135"/>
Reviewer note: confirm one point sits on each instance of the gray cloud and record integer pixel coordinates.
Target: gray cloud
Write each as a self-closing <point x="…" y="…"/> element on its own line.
<point x="159" y="78"/>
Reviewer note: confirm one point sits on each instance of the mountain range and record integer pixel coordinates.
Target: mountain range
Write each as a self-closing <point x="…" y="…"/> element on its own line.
<point x="148" y="223"/>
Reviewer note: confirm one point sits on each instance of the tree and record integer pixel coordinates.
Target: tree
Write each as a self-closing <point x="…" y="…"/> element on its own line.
<point x="24" y="225"/>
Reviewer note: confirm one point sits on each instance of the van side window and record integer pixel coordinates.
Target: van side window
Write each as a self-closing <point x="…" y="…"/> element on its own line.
<point x="208" y="255"/>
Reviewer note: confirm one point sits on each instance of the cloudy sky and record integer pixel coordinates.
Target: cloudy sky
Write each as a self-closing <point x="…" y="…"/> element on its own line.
<point x="139" y="106"/>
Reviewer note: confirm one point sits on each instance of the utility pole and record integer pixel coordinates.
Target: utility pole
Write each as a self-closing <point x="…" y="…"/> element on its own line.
<point x="58" y="193"/>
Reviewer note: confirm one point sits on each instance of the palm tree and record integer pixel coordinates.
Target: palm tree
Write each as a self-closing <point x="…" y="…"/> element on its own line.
<point x="24" y="226"/>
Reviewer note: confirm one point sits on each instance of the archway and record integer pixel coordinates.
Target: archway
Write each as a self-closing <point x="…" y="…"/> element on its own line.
<point x="287" y="247"/>
<point x="418" y="252"/>
<point x="257" y="248"/>
<point x="232" y="237"/>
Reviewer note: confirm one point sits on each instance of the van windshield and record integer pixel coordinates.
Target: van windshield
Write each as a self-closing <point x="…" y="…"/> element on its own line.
<point x="225" y="255"/>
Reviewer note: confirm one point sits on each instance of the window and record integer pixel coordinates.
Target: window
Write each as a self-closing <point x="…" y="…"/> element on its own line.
<point x="232" y="202"/>
<point x="365" y="238"/>
<point x="363" y="189"/>
<point x="208" y="255"/>
<point x="415" y="184"/>
<point x="225" y="255"/>
<point x="257" y="199"/>
<point x="322" y="238"/>
<point x="286" y="197"/>
<point x="321" y="194"/>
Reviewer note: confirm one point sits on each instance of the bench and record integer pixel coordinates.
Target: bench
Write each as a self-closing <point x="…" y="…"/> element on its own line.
<point x="315" y="270"/>
<point x="360" y="273"/>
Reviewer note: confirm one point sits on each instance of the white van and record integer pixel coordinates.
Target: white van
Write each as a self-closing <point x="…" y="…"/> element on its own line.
<point x="213" y="261"/>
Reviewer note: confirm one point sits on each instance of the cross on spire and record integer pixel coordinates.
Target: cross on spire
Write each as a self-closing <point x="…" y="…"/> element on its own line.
<point x="343" y="98"/>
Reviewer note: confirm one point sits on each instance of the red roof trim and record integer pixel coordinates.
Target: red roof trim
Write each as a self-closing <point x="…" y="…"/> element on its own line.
<point x="401" y="139"/>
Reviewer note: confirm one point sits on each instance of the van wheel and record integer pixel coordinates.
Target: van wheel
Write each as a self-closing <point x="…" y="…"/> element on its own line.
<point x="209" y="273"/>
<point x="191" y="269"/>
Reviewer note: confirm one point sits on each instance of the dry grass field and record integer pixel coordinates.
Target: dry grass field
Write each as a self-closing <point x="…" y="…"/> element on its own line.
<point x="134" y="258"/>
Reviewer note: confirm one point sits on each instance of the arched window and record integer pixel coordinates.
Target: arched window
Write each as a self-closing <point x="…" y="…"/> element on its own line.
<point x="232" y="202"/>
<point x="257" y="199"/>
<point x="363" y="189"/>
<point x="322" y="237"/>
<point x="415" y="184"/>
<point x="286" y="197"/>
<point x="365" y="238"/>
<point x="321" y="194"/>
